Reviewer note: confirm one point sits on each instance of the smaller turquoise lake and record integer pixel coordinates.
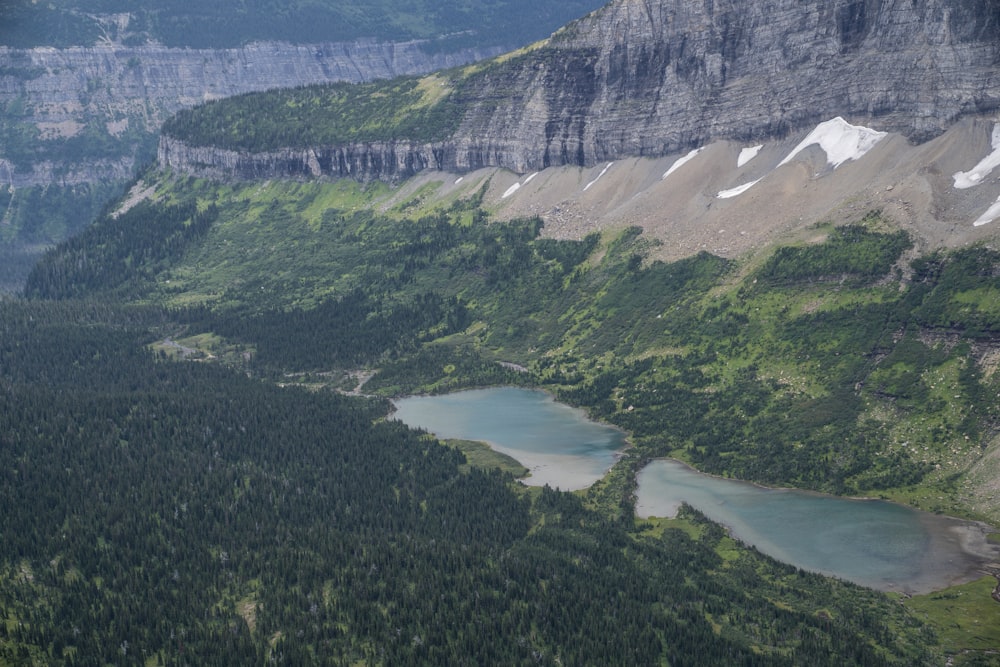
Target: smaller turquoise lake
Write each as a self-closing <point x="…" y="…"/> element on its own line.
<point x="874" y="543"/>
<point x="557" y="443"/>
<point x="877" y="544"/>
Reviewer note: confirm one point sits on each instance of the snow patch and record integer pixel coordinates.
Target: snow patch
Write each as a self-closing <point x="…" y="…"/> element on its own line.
<point x="975" y="176"/>
<point x="681" y="161"/>
<point x="517" y="186"/>
<point x="511" y="190"/>
<point x="840" y="140"/>
<point x="738" y="190"/>
<point x="991" y="214"/>
<point x="747" y="154"/>
<point x="603" y="171"/>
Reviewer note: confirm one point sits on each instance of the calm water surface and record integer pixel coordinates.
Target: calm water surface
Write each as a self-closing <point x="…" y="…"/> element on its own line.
<point x="557" y="443"/>
<point x="877" y="544"/>
<point x="870" y="542"/>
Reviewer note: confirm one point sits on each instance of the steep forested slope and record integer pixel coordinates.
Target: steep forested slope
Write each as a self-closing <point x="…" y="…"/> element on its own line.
<point x="178" y="512"/>
<point x="845" y="364"/>
<point x="314" y="530"/>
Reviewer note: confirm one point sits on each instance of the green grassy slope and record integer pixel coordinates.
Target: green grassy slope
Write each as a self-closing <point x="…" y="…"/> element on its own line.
<point x="848" y="365"/>
<point x="843" y="366"/>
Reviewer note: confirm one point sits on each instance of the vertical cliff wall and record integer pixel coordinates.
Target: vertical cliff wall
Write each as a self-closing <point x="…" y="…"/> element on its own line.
<point x="655" y="77"/>
<point x="79" y="114"/>
<point x="650" y="77"/>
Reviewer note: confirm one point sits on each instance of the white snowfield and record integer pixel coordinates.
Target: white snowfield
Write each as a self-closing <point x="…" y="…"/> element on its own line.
<point x="681" y="161"/>
<point x="975" y="176"/>
<point x="747" y="154"/>
<point x="517" y="186"/>
<point x="991" y="214"/>
<point x="840" y="140"/>
<point x="604" y="171"/>
<point x="738" y="190"/>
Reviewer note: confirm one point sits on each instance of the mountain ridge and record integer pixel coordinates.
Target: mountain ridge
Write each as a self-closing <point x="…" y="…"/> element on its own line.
<point x="705" y="199"/>
<point x="84" y="86"/>
<point x="136" y="87"/>
<point x="648" y="79"/>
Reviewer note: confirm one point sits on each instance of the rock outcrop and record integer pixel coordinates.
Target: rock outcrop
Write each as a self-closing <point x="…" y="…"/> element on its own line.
<point x="656" y="77"/>
<point x="124" y="93"/>
<point x="391" y="161"/>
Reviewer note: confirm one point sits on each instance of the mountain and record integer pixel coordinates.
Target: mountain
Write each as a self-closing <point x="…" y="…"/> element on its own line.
<point x="223" y="24"/>
<point x="713" y="129"/>
<point x="84" y="87"/>
<point x="656" y="78"/>
<point x="92" y="107"/>
<point x="192" y="474"/>
<point x="652" y="81"/>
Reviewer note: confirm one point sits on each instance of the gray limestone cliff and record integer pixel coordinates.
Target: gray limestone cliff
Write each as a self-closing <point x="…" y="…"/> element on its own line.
<point x="108" y="98"/>
<point x="655" y="77"/>
<point x="388" y="160"/>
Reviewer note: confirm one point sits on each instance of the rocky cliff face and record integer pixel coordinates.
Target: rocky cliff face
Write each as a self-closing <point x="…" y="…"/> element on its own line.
<point x="660" y="76"/>
<point x="655" y="77"/>
<point x="389" y="161"/>
<point x="117" y="94"/>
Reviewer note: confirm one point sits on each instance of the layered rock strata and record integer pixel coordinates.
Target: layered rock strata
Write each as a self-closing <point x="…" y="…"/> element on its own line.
<point x="119" y="90"/>
<point x="656" y="77"/>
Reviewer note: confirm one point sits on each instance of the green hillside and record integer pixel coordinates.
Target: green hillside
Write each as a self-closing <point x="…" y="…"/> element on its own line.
<point x="286" y="520"/>
<point x="849" y="366"/>
<point x="415" y="108"/>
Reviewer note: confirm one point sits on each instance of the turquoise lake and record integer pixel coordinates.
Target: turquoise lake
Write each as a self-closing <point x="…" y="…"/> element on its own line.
<point x="557" y="443"/>
<point x="873" y="543"/>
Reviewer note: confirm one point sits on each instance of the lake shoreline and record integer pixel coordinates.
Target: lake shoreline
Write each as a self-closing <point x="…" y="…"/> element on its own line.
<point x="908" y="551"/>
<point x="559" y="444"/>
<point x="938" y="551"/>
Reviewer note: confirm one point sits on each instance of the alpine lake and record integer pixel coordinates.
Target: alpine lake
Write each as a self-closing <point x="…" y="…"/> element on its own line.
<point x="874" y="543"/>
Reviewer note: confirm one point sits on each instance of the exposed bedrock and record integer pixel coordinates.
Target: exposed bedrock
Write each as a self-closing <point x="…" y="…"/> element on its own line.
<point x="656" y="77"/>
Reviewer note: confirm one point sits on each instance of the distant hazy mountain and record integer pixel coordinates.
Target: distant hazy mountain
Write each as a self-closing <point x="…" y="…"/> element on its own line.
<point x="84" y="86"/>
<point x="449" y="24"/>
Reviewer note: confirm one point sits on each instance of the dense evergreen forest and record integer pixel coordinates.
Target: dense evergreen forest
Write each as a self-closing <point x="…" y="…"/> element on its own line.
<point x="175" y="513"/>
<point x="811" y="368"/>
<point x="412" y="108"/>
<point x="234" y="509"/>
